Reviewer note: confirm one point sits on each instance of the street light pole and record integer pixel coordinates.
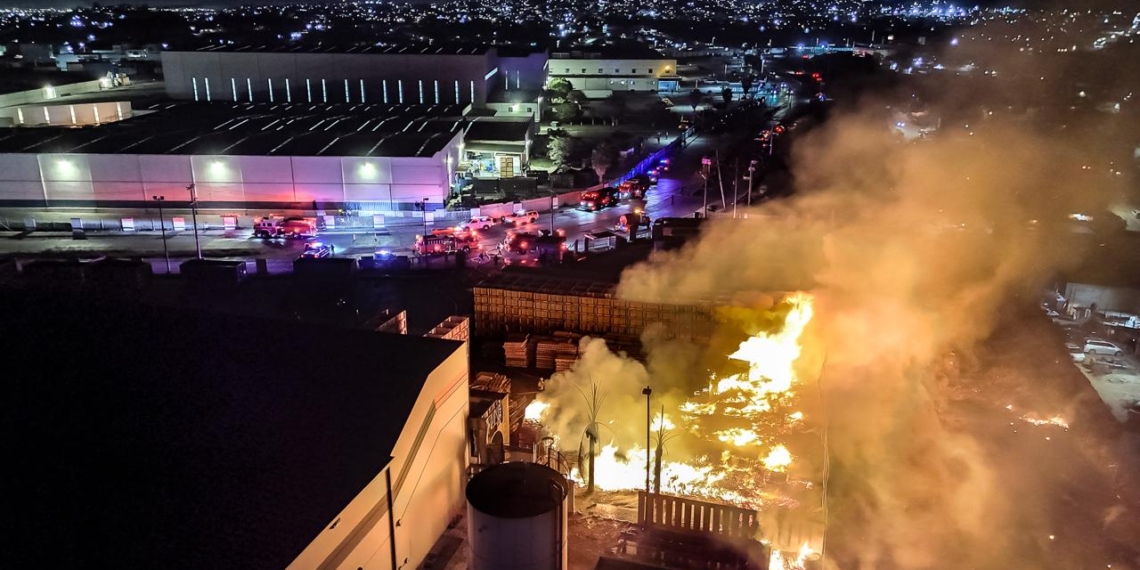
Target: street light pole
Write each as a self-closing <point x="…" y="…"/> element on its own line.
<point x="648" y="418"/>
<point x="162" y="225"/>
<point x="424" y="205"/>
<point x="751" y="173"/>
<point x="706" y="163"/>
<point x="194" y="218"/>
<point x="735" y="187"/>
<point x="552" y="212"/>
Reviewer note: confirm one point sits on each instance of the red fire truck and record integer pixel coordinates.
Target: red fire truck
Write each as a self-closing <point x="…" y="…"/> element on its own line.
<point x="274" y="226"/>
<point x="445" y="244"/>
<point x="595" y="200"/>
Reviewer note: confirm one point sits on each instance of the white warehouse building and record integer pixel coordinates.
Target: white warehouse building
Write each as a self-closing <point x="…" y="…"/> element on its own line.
<point x="374" y="158"/>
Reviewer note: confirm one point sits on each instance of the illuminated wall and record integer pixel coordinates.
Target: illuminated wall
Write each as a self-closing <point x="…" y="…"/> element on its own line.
<point x="121" y="180"/>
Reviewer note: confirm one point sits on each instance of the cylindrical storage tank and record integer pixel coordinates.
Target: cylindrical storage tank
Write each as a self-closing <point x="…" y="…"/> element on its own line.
<point x="516" y="518"/>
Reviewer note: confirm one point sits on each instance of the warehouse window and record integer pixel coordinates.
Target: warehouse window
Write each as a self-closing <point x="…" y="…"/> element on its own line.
<point x="194" y="81"/>
<point x="95" y="109"/>
<point x="436" y="82"/>
<point x="324" y="91"/>
<point x="309" y="90"/>
<point x="361" y="90"/>
<point x="616" y="70"/>
<point x="71" y="109"/>
<point x="565" y="70"/>
<point x="288" y="92"/>
<point x="119" y="110"/>
<point x="420" y="84"/>
<point x="518" y="79"/>
<point x="384" y="88"/>
<point x="270" y="83"/>
<point x="400" y="90"/>
<point x="599" y="70"/>
<point x="233" y="87"/>
<point x="633" y="70"/>
<point x="456" y="91"/>
<point x="347" y="93"/>
<point x="20" y="114"/>
<point x="207" y="81"/>
<point x="472" y="91"/>
<point x="649" y="71"/>
<point x="583" y="70"/>
<point x="249" y="88"/>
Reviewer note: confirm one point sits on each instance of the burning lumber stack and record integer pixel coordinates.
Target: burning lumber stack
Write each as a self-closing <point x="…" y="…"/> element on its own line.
<point x="517" y="350"/>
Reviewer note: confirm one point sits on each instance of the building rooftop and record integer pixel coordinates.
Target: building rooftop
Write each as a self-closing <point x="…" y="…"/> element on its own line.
<point x="186" y="439"/>
<point x="256" y="129"/>
<point x="608" y="52"/>
<point x="358" y="49"/>
<point x="509" y="129"/>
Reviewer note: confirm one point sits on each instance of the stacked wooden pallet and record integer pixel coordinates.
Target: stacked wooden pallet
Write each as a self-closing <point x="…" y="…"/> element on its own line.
<point x="517" y="350"/>
<point x="545" y="349"/>
<point x="491" y="382"/>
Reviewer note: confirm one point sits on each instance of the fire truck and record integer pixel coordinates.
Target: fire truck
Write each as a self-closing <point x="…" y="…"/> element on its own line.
<point x="445" y="244"/>
<point x="273" y="227"/>
<point x="595" y="200"/>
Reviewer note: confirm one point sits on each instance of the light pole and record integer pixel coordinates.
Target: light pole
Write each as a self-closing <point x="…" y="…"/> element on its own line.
<point x="735" y="187"/>
<point x="162" y="225"/>
<point x="423" y="204"/>
<point x="751" y="173"/>
<point x="648" y="415"/>
<point x="194" y="218"/>
<point x="552" y="212"/>
<point x="706" y="164"/>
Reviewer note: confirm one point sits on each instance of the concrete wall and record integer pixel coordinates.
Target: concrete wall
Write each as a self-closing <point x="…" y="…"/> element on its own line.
<point x="573" y="67"/>
<point x="68" y="115"/>
<point x="523" y="73"/>
<point x="377" y="183"/>
<point x="428" y="473"/>
<point x="322" y="77"/>
<point x="47" y="94"/>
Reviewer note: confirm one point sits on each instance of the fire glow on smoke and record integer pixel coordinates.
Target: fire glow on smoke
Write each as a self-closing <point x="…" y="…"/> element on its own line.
<point x="730" y="415"/>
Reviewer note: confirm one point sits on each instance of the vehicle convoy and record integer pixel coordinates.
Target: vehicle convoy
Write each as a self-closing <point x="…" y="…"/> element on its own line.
<point x="521" y="217"/>
<point x="274" y="226"/>
<point x="633" y="188"/>
<point x="443" y="245"/>
<point x="595" y="200"/>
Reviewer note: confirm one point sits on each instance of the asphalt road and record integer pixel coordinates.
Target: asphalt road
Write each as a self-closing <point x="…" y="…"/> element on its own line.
<point x="676" y="194"/>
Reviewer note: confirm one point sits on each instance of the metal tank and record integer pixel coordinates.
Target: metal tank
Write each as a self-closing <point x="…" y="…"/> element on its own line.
<point x="516" y="518"/>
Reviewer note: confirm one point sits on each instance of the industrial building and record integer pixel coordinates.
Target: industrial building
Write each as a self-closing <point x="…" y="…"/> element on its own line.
<point x="598" y="73"/>
<point x="322" y="74"/>
<point x="383" y="159"/>
<point x="154" y="436"/>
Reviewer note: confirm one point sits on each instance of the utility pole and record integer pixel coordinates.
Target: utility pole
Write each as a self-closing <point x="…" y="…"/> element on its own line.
<point x="720" y="181"/>
<point x="161" y="224"/>
<point x="735" y="187"/>
<point x="194" y="218"/>
<point x="648" y="425"/>
<point x="552" y="212"/>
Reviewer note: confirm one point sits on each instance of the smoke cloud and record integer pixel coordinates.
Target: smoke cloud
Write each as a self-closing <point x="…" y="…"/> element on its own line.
<point x="913" y="250"/>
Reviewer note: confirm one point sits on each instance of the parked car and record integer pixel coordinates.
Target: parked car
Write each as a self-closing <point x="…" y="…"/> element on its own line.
<point x="316" y="250"/>
<point x="480" y="223"/>
<point x="1102" y="347"/>
<point x="521" y="217"/>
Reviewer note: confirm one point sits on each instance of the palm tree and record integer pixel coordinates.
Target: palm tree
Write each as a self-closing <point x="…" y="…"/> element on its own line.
<point x="594" y="405"/>
<point x="661" y="438"/>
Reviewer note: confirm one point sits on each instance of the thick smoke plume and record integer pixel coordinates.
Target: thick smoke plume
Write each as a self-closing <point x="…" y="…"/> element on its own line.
<point x="911" y="249"/>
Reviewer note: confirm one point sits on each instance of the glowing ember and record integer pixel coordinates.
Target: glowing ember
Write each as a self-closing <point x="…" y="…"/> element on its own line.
<point x="778" y="562"/>
<point x="535" y="410"/>
<point x="1055" y="420"/>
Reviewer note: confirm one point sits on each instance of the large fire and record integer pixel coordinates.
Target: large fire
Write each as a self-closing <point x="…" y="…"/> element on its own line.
<point x="732" y="418"/>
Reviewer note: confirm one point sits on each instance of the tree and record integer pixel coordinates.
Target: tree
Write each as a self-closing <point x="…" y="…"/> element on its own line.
<point x="726" y="94"/>
<point x="559" y="149"/>
<point x="558" y="90"/>
<point x="602" y="159"/>
<point x="746" y="85"/>
<point x="593" y="406"/>
<point x="576" y="97"/>
<point x="566" y="112"/>
<point x="618" y="104"/>
<point x="695" y="97"/>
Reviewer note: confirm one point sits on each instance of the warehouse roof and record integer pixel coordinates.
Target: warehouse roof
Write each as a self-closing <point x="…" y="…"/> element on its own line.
<point x="187" y="440"/>
<point x="256" y="129"/>
<point x="358" y="49"/>
<point x="499" y="130"/>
